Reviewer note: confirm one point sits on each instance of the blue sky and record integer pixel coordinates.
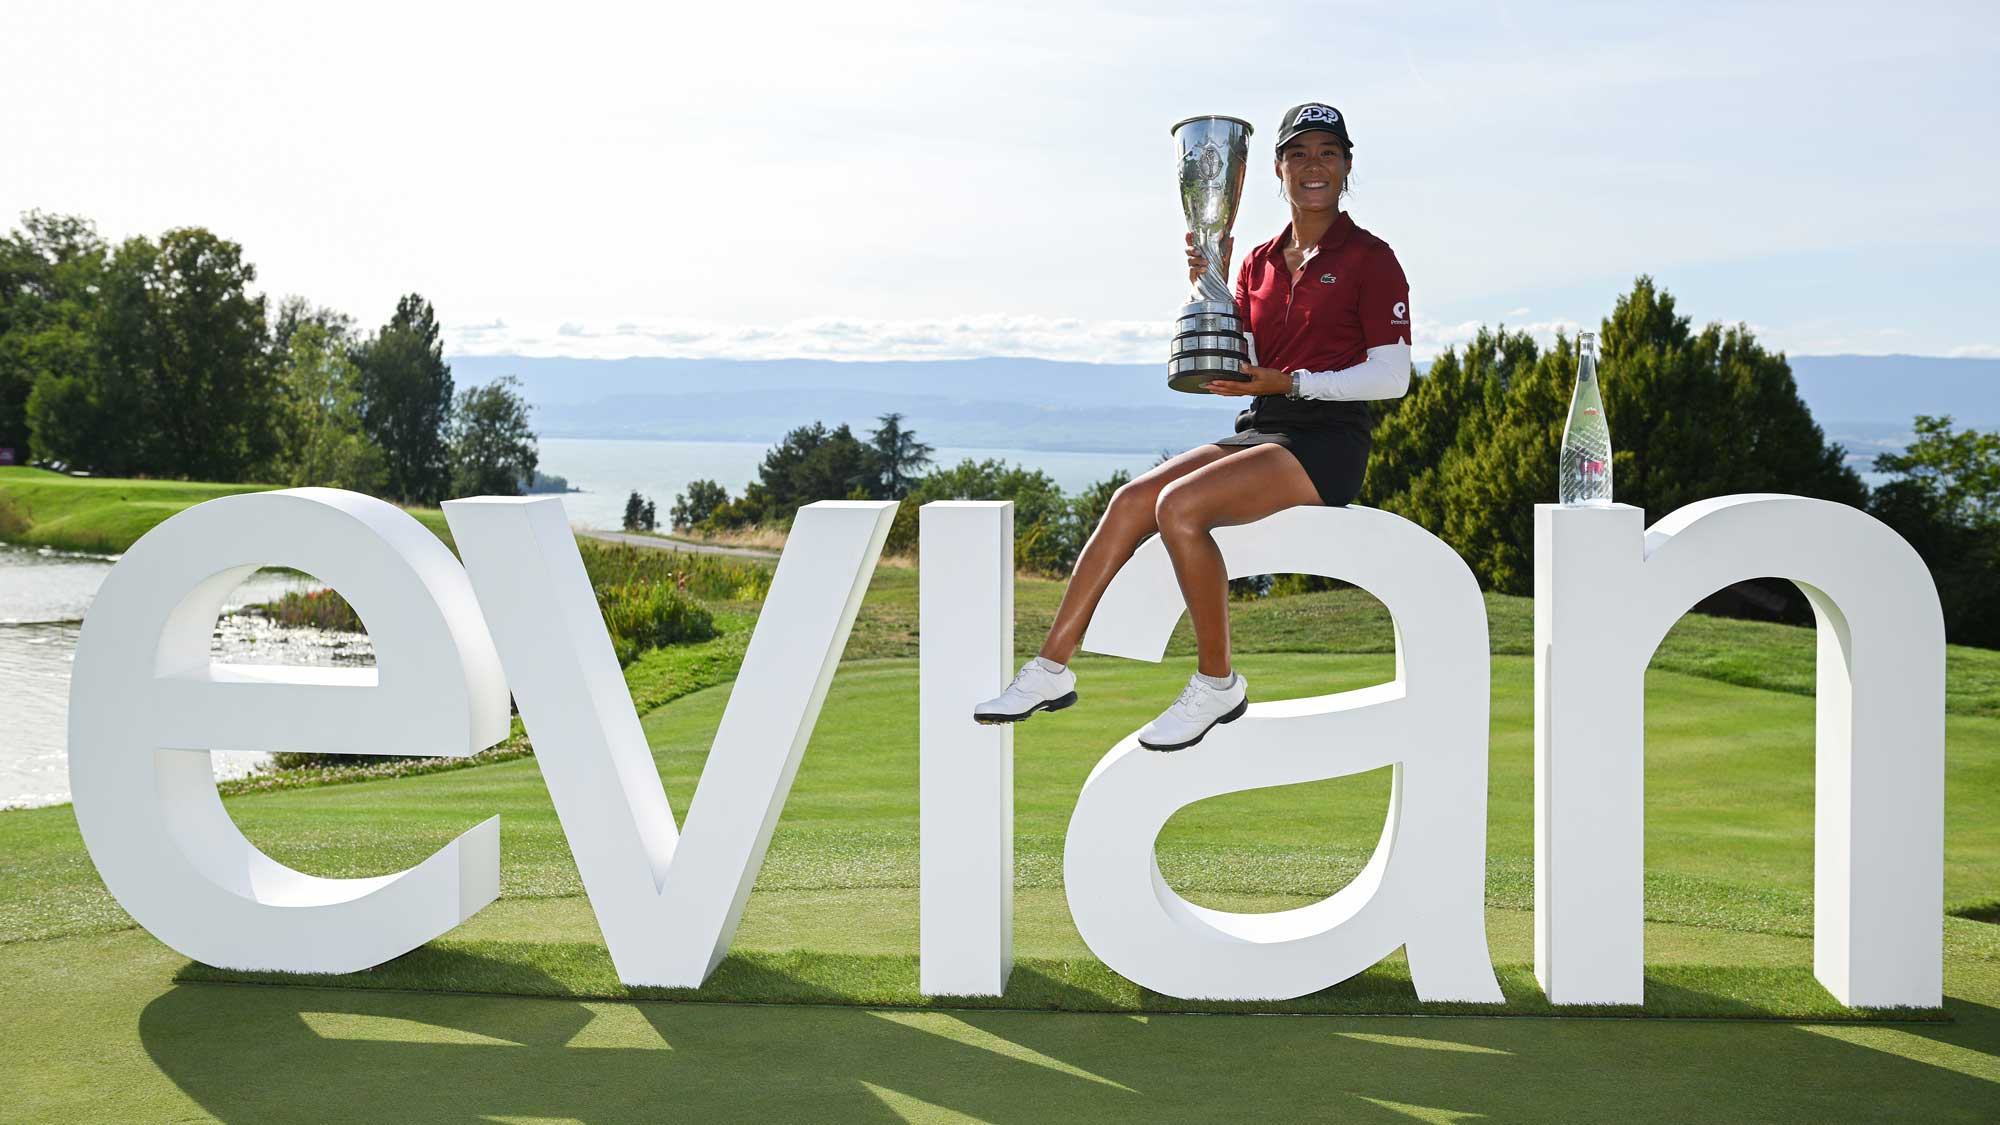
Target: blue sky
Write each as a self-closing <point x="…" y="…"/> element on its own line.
<point x="941" y="179"/>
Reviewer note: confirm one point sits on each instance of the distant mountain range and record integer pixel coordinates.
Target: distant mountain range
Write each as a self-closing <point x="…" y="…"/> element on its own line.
<point x="1865" y="402"/>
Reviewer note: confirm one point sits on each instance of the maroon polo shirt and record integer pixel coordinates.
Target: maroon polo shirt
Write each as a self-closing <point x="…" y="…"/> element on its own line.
<point x="1351" y="296"/>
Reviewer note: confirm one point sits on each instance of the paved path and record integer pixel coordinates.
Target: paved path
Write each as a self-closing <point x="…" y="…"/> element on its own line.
<point x="658" y="543"/>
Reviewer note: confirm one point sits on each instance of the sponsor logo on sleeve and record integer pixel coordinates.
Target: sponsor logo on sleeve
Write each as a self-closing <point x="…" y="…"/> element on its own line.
<point x="1401" y="313"/>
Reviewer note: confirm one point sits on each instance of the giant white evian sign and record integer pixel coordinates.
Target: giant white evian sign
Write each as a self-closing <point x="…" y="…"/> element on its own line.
<point x="452" y="641"/>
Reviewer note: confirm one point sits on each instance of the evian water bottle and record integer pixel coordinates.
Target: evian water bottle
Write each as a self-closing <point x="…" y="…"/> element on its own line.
<point x="1584" y="479"/>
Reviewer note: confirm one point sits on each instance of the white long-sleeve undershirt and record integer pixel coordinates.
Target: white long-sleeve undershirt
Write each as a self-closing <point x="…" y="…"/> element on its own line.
<point x="1384" y="374"/>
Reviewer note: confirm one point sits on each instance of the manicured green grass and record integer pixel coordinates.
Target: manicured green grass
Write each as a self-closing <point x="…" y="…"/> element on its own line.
<point x="582" y="971"/>
<point x="98" y="1028"/>
<point x="1756" y="654"/>
<point x="96" y="1032"/>
<point x="833" y="921"/>
<point x="107" y="515"/>
<point x="1728" y="788"/>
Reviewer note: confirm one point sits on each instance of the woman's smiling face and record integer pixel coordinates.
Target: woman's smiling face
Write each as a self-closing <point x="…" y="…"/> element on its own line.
<point x="1313" y="167"/>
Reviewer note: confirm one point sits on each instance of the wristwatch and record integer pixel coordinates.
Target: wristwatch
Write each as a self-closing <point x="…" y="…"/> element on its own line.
<point x="1294" y="392"/>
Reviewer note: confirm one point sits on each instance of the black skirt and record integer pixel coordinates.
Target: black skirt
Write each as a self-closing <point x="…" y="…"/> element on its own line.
<point x="1334" y="458"/>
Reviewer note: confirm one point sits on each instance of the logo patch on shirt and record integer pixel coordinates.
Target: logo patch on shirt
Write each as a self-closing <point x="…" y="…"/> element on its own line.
<point x="1401" y="312"/>
<point x="1327" y="279"/>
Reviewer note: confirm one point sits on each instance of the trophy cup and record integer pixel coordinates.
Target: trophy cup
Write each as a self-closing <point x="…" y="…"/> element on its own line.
<point x="1209" y="342"/>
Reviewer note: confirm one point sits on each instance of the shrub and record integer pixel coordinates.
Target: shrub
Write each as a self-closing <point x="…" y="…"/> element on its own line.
<point x="319" y="609"/>
<point x="13" y="521"/>
<point x="1050" y="529"/>
<point x="699" y="502"/>
<point x="641" y="616"/>
<point x="704" y="575"/>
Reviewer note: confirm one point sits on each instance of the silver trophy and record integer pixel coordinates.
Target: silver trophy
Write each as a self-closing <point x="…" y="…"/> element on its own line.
<point x="1209" y="341"/>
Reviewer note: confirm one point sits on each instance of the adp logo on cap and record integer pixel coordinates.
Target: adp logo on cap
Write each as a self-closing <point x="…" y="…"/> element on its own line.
<point x="1309" y="117"/>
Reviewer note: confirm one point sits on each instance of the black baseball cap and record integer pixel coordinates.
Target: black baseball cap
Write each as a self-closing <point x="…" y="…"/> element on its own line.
<point x="1308" y="117"/>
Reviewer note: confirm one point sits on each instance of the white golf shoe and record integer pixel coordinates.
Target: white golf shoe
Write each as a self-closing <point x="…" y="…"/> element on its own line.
<point x="1035" y="688"/>
<point x="1197" y="711"/>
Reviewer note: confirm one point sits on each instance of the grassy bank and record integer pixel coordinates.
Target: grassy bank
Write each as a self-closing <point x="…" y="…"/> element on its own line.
<point x="107" y="515"/>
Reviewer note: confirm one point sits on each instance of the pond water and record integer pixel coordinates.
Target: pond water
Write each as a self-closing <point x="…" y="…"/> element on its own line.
<point x="43" y="597"/>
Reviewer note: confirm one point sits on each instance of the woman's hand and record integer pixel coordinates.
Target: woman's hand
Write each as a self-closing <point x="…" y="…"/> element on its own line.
<point x="1262" y="381"/>
<point x="1198" y="261"/>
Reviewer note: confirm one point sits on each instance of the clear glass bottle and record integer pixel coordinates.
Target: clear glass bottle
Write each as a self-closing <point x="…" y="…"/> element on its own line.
<point x="1584" y="479"/>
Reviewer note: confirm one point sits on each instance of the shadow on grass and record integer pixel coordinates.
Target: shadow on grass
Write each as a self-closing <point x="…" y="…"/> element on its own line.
<point x="1988" y="911"/>
<point x="583" y="971"/>
<point x="246" y="1053"/>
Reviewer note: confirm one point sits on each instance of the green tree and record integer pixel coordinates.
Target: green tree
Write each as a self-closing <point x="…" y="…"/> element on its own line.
<point x="1486" y="487"/>
<point x="635" y="511"/>
<point x="49" y="271"/>
<point x="213" y="406"/>
<point x="1446" y="407"/>
<point x="1955" y="473"/>
<point x="811" y="463"/>
<point x="96" y="419"/>
<point x="406" y="400"/>
<point x="1943" y="497"/>
<point x="320" y="388"/>
<point x="1701" y="414"/>
<point x="491" y="445"/>
<point x="1692" y="414"/>
<point x="1086" y="508"/>
<point x="168" y="374"/>
<point x="1045" y="531"/>
<point x="700" y="501"/>
<point x="295" y="312"/>
<point x="899" y="455"/>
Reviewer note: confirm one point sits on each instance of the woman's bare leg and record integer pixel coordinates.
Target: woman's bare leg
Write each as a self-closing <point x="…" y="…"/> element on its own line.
<point x="1241" y="489"/>
<point x="1128" y="519"/>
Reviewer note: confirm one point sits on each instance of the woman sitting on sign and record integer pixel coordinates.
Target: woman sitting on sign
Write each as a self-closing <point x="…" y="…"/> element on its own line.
<point x="1328" y="307"/>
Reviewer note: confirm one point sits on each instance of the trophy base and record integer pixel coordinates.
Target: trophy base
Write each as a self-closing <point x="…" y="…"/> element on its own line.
<point x="1190" y="373"/>
<point x="1208" y="344"/>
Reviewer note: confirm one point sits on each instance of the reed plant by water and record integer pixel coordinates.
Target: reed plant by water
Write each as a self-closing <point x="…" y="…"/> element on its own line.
<point x="713" y="577"/>
<point x="314" y="609"/>
<point x="645" y="615"/>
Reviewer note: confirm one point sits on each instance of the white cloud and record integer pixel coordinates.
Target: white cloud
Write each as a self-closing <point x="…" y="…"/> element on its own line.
<point x="1100" y="341"/>
<point x="1975" y="351"/>
<point x="968" y="337"/>
<point x="1434" y="339"/>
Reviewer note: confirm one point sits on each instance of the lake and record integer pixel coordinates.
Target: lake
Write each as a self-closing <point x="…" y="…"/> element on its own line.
<point x="609" y="470"/>
<point x="43" y="596"/>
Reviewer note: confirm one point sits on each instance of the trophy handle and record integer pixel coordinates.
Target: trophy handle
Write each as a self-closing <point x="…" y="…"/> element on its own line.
<point x="1213" y="285"/>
